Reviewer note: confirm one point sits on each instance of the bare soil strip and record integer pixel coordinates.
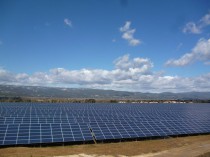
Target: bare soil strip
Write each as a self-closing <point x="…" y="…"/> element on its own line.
<point x="180" y="146"/>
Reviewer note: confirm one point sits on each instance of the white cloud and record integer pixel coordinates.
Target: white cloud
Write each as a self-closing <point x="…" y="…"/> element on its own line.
<point x="126" y="27"/>
<point x="197" y="27"/>
<point x="191" y="27"/>
<point x="141" y="65"/>
<point x="205" y="20"/>
<point x="128" y="34"/>
<point x="68" y="22"/>
<point x="130" y="74"/>
<point x="201" y="52"/>
<point x="6" y="76"/>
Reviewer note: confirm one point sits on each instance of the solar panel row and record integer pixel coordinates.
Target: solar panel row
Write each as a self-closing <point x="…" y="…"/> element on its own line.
<point x="43" y="133"/>
<point x="34" y="123"/>
<point x="147" y="129"/>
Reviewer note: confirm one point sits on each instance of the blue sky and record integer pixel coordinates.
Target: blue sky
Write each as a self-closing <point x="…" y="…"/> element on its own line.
<point x="134" y="45"/>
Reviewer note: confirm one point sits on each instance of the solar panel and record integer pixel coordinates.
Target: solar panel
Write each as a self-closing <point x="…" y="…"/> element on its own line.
<point x="44" y="123"/>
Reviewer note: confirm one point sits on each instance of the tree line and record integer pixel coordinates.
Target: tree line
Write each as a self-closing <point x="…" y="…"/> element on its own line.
<point x="70" y="100"/>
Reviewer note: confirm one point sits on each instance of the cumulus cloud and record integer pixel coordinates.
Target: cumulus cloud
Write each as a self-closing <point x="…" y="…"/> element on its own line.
<point x="6" y="76"/>
<point x="191" y="27"/>
<point x="128" y="34"/>
<point x="141" y="65"/>
<point x="197" y="27"/>
<point x="205" y="20"/>
<point x="68" y="22"/>
<point x="129" y="74"/>
<point x="201" y="52"/>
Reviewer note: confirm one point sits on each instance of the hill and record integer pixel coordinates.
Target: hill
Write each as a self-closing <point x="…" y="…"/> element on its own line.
<point x="80" y="93"/>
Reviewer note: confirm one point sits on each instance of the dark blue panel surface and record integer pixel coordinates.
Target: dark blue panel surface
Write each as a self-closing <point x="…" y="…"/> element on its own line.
<point x="34" y="123"/>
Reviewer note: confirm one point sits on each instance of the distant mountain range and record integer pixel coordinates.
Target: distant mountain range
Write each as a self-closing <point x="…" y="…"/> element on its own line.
<point x="53" y="92"/>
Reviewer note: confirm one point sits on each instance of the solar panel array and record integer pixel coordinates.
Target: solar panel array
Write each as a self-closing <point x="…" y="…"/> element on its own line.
<point x="44" y="123"/>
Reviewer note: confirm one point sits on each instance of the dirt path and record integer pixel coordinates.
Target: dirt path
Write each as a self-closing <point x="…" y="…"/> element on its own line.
<point x="191" y="146"/>
<point x="192" y="150"/>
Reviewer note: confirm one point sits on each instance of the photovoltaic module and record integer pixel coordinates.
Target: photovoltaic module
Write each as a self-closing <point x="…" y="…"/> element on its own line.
<point x="48" y="123"/>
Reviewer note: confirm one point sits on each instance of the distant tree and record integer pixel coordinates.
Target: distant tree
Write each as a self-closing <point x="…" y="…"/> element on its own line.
<point x="17" y="99"/>
<point x="76" y="101"/>
<point x="113" y="101"/>
<point x="90" y="100"/>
